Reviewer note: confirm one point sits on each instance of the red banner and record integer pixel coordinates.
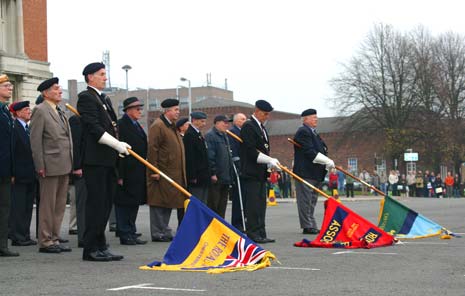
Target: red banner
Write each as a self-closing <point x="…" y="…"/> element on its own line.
<point x="343" y="228"/>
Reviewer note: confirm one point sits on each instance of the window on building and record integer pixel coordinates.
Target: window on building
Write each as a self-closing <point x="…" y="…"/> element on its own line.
<point x="411" y="166"/>
<point x="381" y="166"/>
<point x="352" y="164"/>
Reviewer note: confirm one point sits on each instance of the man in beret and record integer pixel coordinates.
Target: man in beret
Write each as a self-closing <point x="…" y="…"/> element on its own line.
<point x="182" y="125"/>
<point x="254" y="154"/>
<point x="101" y="149"/>
<point x="24" y="189"/>
<point x="166" y="152"/>
<point x="310" y="163"/>
<point x="221" y="166"/>
<point x="7" y="163"/>
<point x="132" y="187"/>
<point x="197" y="168"/>
<point x="52" y="151"/>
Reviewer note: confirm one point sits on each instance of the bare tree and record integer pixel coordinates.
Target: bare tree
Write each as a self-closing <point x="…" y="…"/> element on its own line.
<point x="379" y="83"/>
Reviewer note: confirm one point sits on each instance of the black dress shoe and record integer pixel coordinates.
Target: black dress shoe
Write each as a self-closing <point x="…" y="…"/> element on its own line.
<point x="73" y="232"/>
<point x="8" y="253"/>
<point x="20" y="243"/>
<point x="96" y="256"/>
<point x="162" y="239"/>
<point x="112" y="256"/>
<point x="64" y="248"/>
<point x="63" y="240"/>
<point x="53" y="249"/>
<point x="32" y="242"/>
<point x="140" y="242"/>
<point x="112" y="227"/>
<point x="260" y="240"/>
<point x="138" y="234"/>
<point x="269" y="240"/>
<point x="127" y="242"/>
<point x="310" y="231"/>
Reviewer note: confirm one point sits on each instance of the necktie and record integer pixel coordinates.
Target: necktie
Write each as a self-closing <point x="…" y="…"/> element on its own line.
<point x="61" y="115"/>
<point x="263" y="131"/>
<point x="26" y="127"/>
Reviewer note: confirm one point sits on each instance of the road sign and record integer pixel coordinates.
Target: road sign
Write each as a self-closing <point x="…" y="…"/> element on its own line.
<point x="413" y="156"/>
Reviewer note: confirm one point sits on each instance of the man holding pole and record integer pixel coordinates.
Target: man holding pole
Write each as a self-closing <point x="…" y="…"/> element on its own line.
<point x="254" y="161"/>
<point x="101" y="149"/>
<point x="310" y="163"/>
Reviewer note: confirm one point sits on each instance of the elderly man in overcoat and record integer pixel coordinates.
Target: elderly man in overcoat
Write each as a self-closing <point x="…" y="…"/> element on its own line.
<point x="166" y="152"/>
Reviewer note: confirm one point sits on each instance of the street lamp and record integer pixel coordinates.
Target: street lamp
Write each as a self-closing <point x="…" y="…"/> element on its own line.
<point x="190" y="95"/>
<point x="126" y="68"/>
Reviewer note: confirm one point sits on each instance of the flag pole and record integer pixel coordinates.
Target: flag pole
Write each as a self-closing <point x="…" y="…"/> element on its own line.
<point x="287" y="171"/>
<point x="145" y="162"/>
<point x="344" y="171"/>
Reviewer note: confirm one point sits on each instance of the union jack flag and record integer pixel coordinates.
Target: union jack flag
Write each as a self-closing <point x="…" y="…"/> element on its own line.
<point x="245" y="253"/>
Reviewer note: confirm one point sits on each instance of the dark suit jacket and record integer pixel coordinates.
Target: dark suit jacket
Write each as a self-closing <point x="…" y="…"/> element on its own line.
<point x="76" y="132"/>
<point x="303" y="157"/>
<point x="132" y="171"/>
<point x="25" y="172"/>
<point x="97" y="115"/>
<point x="6" y="144"/>
<point x="197" y="166"/>
<point x="253" y="139"/>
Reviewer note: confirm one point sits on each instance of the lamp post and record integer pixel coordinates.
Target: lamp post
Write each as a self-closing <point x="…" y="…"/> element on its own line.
<point x="126" y="68"/>
<point x="190" y="95"/>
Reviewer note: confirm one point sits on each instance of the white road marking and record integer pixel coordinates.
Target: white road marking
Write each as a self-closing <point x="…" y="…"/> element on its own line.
<point x="145" y="286"/>
<point x="294" y="268"/>
<point x="369" y="253"/>
<point x="423" y="243"/>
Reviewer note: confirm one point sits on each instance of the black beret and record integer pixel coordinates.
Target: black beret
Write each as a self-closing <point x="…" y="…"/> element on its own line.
<point x="47" y="84"/>
<point x="308" y="112"/>
<point x="198" y="115"/>
<point x="131" y="102"/>
<point x="221" y="118"/>
<point x="264" y="106"/>
<point x="167" y="103"/>
<point x="39" y="99"/>
<point x="92" y="68"/>
<point x="20" y="105"/>
<point x="181" y="121"/>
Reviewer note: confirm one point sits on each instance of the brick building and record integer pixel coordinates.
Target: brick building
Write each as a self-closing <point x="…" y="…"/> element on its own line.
<point x="23" y="45"/>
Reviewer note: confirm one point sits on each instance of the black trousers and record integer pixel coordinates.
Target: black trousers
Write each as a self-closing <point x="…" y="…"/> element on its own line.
<point x="22" y="203"/>
<point x="81" y="199"/>
<point x="5" y="198"/>
<point x="101" y="187"/>
<point x="255" y="194"/>
<point x="126" y="221"/>
<point x="350" y="189"/>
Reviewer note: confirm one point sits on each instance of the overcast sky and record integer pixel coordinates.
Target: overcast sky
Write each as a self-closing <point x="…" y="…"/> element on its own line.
<point x="281" y="51"/>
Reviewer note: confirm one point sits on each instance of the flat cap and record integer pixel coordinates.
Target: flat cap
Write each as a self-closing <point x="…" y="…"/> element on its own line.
<point x="221" y="118"/>
<point x="16" y="106"/>
<point x="4" y="78"/>
<point x="131" y="102"/>
<point x="308" y="112"/>
<point x="47" y="84"/>
<point x="198" y="115"/>
<point x="92" y="68"/>
<point x="167" y="103"/>
<point x="181" y="121"/>
<point x="264" y="106"/>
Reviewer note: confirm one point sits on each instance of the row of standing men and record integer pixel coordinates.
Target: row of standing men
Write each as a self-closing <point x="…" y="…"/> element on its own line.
<point x="203" y="166"/>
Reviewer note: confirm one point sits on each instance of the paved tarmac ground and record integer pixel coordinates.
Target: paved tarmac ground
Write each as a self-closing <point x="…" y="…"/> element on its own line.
<point x="420" y="267"/>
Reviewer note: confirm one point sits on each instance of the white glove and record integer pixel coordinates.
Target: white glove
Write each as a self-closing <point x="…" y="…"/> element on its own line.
<point x="265" y="159"/>
<point x="324" y="160"/>
<point x="111" y="141"/>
